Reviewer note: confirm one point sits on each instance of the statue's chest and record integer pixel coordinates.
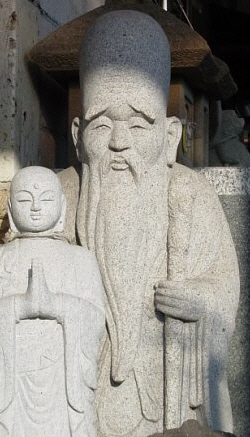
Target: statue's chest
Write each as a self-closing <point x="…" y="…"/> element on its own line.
<point x="58" y="268"/>
<point x="39" y="345"/>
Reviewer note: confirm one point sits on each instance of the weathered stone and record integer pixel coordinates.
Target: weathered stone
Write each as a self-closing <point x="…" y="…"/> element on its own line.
<point x="232" y="184"/>
<point x="228" y="181"/>
<point x="160" y="236"/>
<point x="23" y="23"/>
<point x="51" y="317"/>
<point x="70" y="185"/>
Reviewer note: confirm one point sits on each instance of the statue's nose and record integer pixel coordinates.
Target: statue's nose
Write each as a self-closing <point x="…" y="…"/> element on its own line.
<point x="120" y="138"/>
<point x="36" y="205"/>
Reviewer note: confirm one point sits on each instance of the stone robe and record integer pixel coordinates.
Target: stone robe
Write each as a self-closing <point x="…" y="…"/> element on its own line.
<point x="48" y="369"/>
<point x="198" y="248"/>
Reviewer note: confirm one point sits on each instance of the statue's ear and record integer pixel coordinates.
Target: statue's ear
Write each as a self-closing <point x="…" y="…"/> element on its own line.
<point x="173" y="136"/>
<point x="59" y="227"/>
<point x="76" y="131"/>
<point x="11" y="221"/>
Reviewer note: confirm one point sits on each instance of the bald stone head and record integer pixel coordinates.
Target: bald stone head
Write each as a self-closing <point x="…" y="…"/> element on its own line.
<point x="37" y="203"/>
<point x="125" y="75"/>
<point x="126" y="52"/>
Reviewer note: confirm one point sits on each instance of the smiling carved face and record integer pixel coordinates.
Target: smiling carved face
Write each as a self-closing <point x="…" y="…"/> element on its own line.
<point x="35" y="200"/>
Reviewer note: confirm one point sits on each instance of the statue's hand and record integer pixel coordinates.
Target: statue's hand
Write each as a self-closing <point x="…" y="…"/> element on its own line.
<point x="38" y="301"/>
<point x="180" y="300"/>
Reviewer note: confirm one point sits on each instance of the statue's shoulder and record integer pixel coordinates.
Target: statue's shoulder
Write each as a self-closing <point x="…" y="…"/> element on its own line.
<point x="184" y="178"/>
<point x="9" y="248"/>
<point x="83" y="258"/>
<point x="9" y="253"/>
<point x="180" y="172"/>
<point x="69" y="178"/>
<point x="89" y="281"/>
<point x="189" y="187"/>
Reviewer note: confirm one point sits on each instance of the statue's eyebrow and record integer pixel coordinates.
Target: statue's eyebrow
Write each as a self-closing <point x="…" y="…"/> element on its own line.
<point x="46" y="192"/>
<point x="146" y="113"/>
<point x="24" y="191"/>
<point x="94" y="112"/>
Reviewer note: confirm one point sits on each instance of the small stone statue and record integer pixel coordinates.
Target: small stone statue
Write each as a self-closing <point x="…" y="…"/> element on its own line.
<point x="226" y="147"/>
<point x="163" y="245"/>
<point x="51" y="317"/>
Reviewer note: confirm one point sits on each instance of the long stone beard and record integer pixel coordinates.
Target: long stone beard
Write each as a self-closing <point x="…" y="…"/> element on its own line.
<point x="125" y="218"/>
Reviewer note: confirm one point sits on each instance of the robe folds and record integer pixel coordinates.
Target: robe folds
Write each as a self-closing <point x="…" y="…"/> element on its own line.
<point x="199" y="250"/>
<point x="48" y="370"/>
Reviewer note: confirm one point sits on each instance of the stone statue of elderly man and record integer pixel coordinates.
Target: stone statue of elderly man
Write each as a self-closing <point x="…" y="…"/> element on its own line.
<point x="162" y="242"/>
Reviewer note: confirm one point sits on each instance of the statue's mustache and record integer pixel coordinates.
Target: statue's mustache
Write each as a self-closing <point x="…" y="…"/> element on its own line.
<point x="127" y="159"/>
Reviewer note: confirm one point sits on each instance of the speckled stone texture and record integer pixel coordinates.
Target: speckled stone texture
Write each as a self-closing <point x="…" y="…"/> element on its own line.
<point x="51" y="317"/>
<point x="163" y="245"/>
<point x="237" y="210"/>
<point x="228" y="181"/>
<point x="233" y="186"/>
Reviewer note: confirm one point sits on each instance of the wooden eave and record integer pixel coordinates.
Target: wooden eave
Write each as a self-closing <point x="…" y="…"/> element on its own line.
<point x="191" y="57"/>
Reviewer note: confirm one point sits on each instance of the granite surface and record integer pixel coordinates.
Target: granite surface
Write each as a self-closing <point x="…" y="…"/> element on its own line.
<point x="233" y="186"/>
<point x="51" y="317"/>
<point x="140" y="212"/>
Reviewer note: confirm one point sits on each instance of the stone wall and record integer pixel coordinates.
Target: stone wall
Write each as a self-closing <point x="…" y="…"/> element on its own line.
<point x="22" y="24"/>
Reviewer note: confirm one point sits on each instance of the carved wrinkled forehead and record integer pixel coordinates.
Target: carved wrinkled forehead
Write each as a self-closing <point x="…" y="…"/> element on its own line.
<point x="124" y="47"/>
<point x="35" y="178"/>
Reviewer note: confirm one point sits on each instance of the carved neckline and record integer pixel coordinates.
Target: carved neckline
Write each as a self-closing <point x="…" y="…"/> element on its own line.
<point x="54" y="236"/>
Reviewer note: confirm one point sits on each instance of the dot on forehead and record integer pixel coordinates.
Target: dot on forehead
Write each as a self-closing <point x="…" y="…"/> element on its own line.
<point x="35" y="177"/>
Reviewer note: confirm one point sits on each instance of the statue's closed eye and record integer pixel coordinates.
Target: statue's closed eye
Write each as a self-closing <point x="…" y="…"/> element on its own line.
<point x="139" y="122"/>
<point x="47" y="200"/>
<point x="101" y="126"/>
<point x="47" y="196"/>
<point x="23" y="197"/>
<point x="101" y="122"/>
<point x="24" y="200"/>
